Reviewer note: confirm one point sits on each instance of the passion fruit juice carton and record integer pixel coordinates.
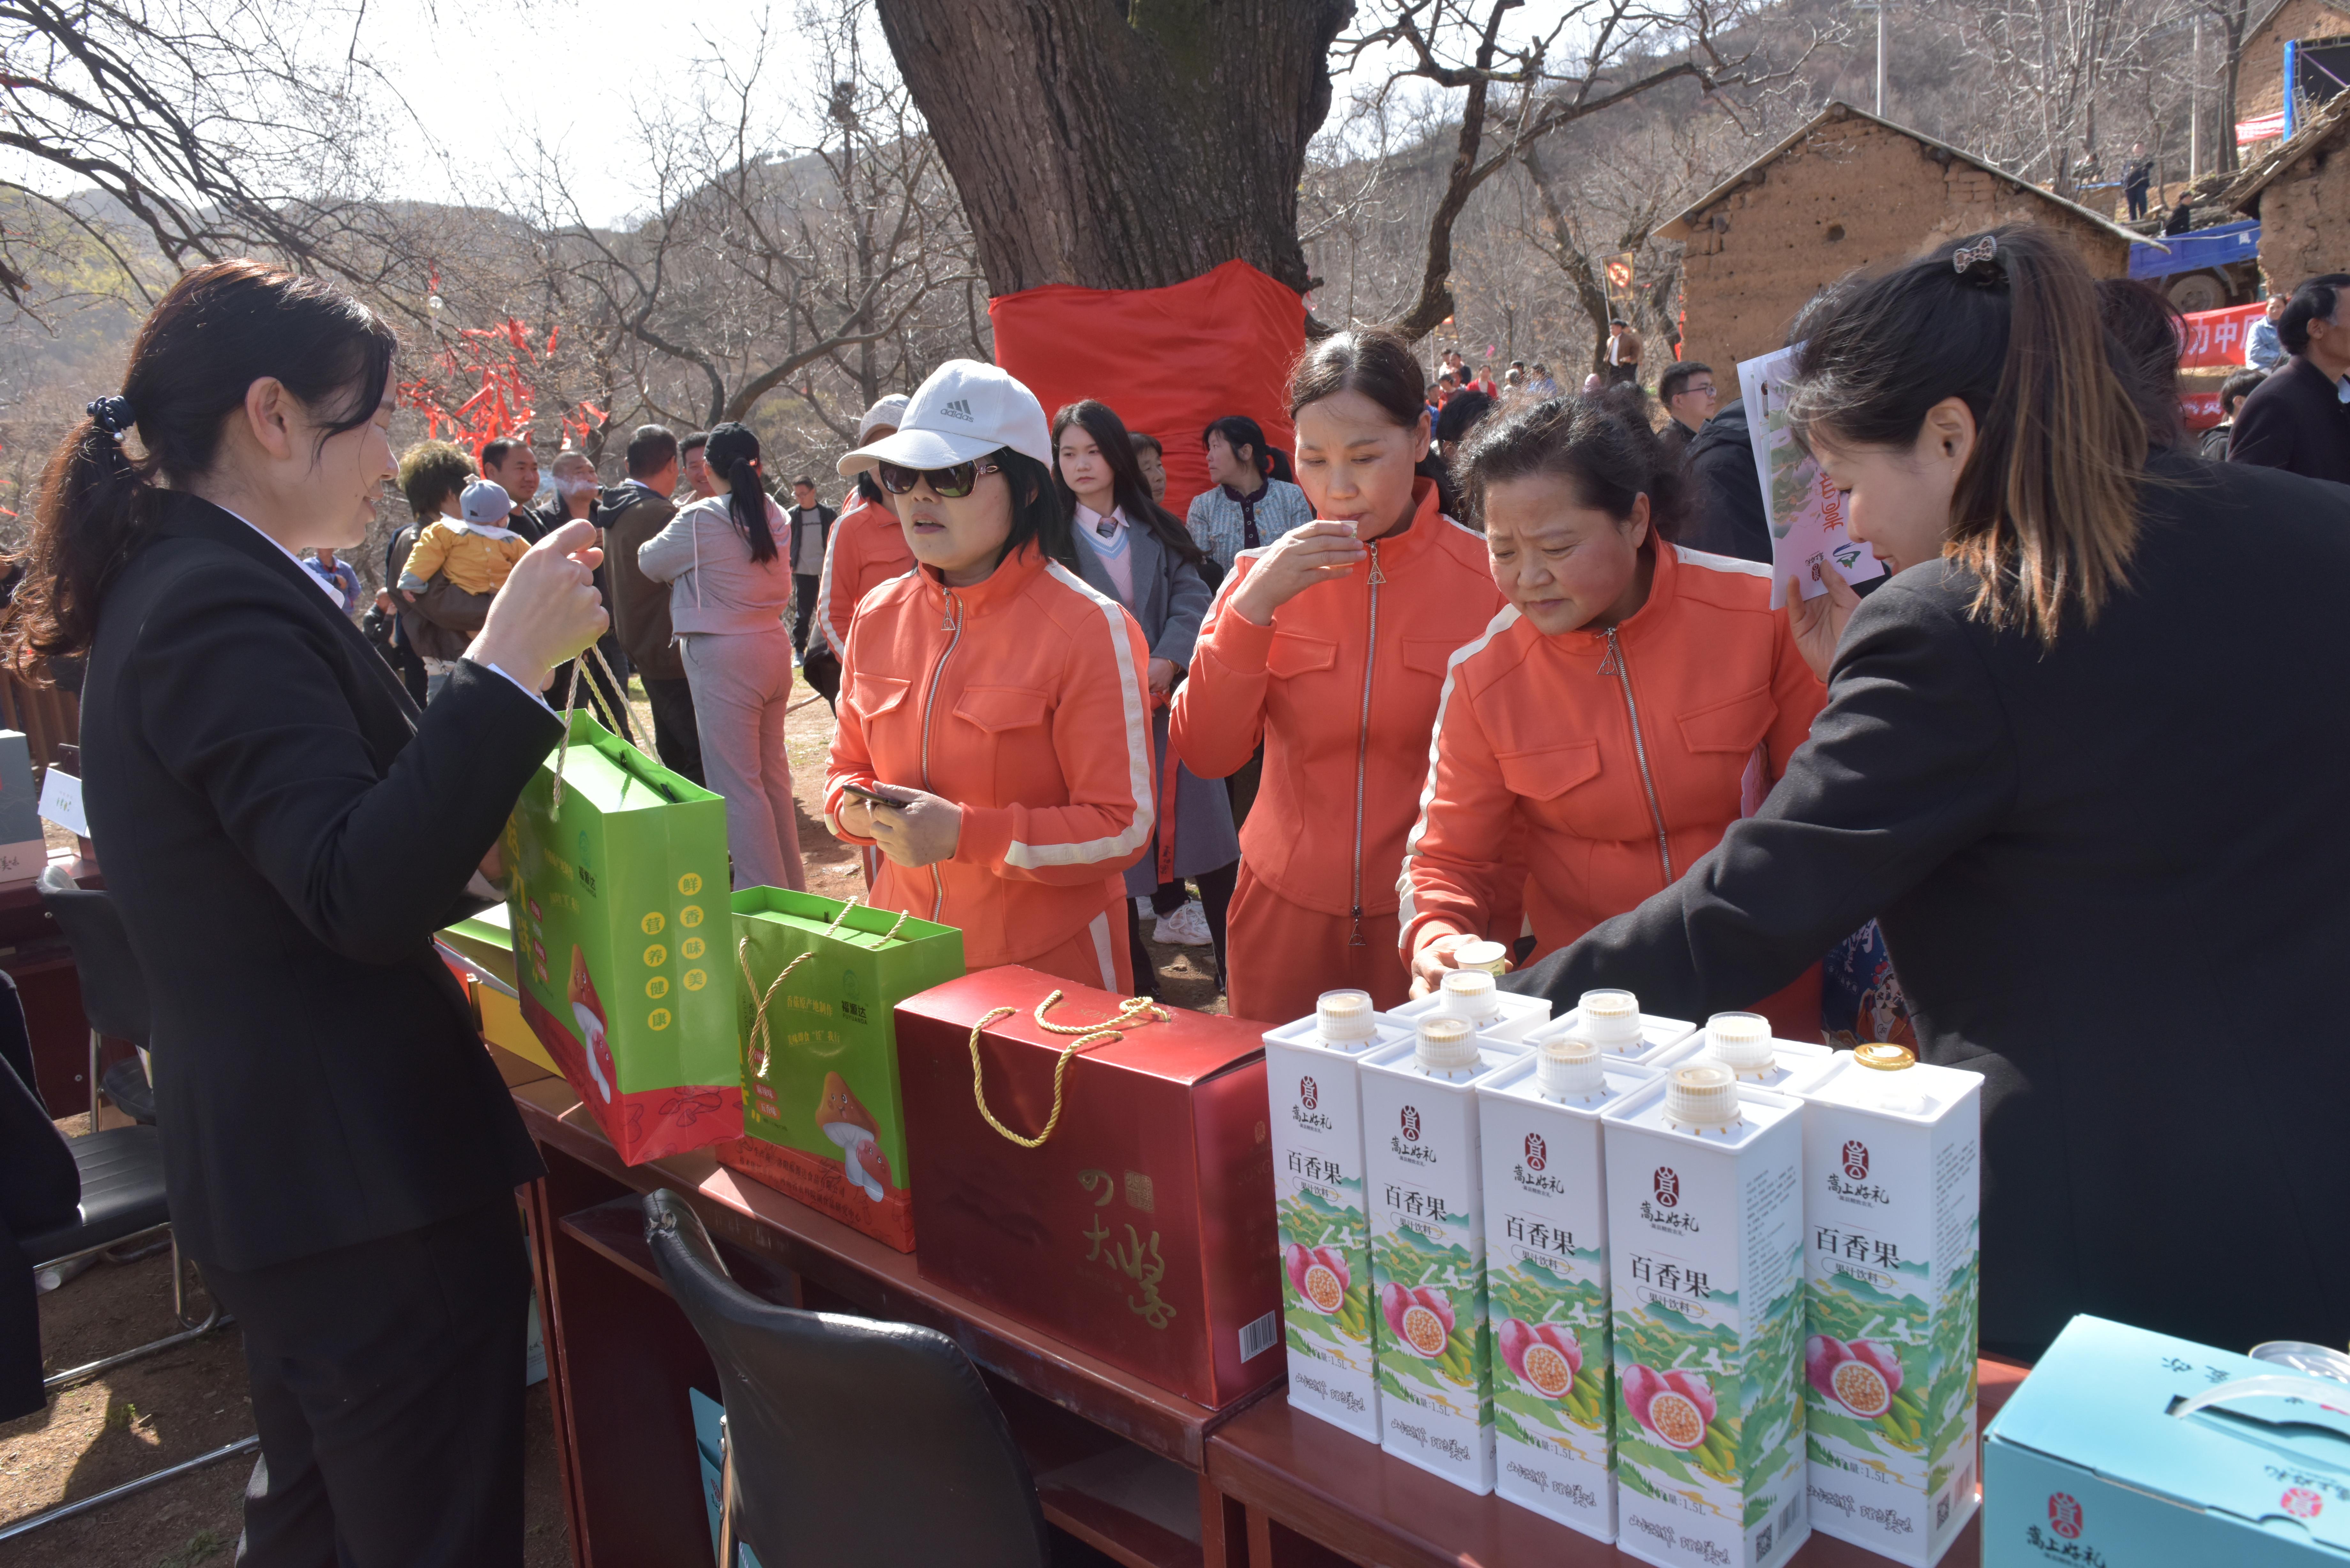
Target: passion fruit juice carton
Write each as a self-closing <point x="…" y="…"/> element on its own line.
<point x="1546" y="1279"/>
<point x="1470" y="994"/>
<point x="1705" y="1250"/>
<point x="1427" y="1247"/>
<point x="1314" y="1069"/>
<point x="1742" y="1042"/>
<point x="1612" y="1020"/>
<point x="1892" y="1210"/>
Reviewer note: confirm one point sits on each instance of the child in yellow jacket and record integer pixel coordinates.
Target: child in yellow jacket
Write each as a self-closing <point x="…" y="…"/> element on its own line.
<point x="475" y="551"/>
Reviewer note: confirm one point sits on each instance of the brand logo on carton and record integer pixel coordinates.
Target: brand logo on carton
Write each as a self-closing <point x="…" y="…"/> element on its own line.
<point x="2065" y="1515"/>
<point x="1411" y="1122"/>
<point x="2301" y="1503"/>
<point x="1308" y="1095"/>
<point x="1855" y="1159"/>
<point x="1537" y="1152"/>
<point x="1668" y="1183"/>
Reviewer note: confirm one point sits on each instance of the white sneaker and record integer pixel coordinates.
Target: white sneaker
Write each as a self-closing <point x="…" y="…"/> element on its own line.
<point x="1186" y="927"/>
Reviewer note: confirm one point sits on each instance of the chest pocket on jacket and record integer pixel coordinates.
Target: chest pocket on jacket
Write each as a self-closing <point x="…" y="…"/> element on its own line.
<point x="876" y="694"/>
<point x="1429" y="654"/>
<point x="1293" y="654"/>
<point x="1548" y="774"/>
<point x="1736" y="725"/>
<point x="998" y="709"/>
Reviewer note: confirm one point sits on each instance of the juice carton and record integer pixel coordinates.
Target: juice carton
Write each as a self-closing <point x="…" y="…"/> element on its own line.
<point x="1311" y="1067"/>
<point x="1892" y="1204"/>
<point x="1612" y="1020"/>
<point x="1469" y="993"/>
<point x="1705" y="1250"/>
<point x="1546" y="1279"/>
<point x="1427" y="1247"/>
<point x="1742" y="1042"/>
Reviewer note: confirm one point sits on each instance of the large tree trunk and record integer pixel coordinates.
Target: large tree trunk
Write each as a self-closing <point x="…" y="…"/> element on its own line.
<point x="1122" y="143"/>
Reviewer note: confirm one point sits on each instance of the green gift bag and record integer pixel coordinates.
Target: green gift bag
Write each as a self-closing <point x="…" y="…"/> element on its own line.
<point x="817" y="1016"/>
<point x="620" y="934"/>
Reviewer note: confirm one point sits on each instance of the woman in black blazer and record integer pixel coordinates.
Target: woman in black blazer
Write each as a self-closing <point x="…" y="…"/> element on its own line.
<point x="282" y="833"/>
<point x="2083" y="758"/>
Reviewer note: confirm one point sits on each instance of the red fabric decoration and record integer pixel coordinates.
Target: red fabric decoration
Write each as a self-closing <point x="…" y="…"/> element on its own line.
<point x="1169" y="361"/>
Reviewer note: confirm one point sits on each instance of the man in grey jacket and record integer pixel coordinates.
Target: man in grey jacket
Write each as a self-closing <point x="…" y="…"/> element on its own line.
<point x="811" y="526"/>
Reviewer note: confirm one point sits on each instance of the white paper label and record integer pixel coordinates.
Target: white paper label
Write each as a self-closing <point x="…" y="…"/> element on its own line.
<point x="61" y="801"/>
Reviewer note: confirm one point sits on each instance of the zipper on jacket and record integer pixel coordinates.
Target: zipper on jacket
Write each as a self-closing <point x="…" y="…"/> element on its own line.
<point x="1363" y="741"/>
<point x="1614" y="660"/>
<point x="952" y="623"/>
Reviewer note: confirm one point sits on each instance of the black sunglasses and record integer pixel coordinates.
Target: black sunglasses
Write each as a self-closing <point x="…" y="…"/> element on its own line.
<point x="950" y="483"/>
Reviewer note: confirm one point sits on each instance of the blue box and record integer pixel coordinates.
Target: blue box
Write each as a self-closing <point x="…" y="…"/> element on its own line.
<point x="2098" y="1459"/>
<point x="706" y="1412"/>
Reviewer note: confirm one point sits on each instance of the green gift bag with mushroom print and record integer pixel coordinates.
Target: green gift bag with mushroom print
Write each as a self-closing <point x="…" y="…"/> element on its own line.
<point x="620" y="935"/>
<point x="818" y="983"/>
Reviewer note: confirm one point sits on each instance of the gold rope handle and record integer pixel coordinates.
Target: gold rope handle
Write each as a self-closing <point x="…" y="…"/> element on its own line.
<point x="598" y="706"/>
<point x="761" y="1041"/>
<point x="1135" y="1013"/>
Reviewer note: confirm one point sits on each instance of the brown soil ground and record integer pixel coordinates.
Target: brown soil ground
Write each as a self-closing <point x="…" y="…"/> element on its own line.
<point x="190" y="1400"/>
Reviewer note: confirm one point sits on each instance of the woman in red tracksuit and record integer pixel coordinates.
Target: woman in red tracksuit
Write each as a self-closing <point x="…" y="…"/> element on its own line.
<point x="1631" y="704"/>
<point x="993" y="698"/>
<point x="1329" y="646"/>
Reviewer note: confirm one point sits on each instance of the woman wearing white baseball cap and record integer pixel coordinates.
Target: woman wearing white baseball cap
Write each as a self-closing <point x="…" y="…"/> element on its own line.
<point x="995" y="735"/>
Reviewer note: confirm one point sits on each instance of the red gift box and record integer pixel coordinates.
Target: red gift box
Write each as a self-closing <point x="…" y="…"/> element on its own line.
<point x="1142" y="1229"/>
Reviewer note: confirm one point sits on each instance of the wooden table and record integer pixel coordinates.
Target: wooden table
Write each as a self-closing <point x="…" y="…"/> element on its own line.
<point x="1142" y="1475"/>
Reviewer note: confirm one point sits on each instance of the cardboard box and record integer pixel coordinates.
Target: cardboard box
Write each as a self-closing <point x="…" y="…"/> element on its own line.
<point x="1332" y="1324"/>
<point x="484" y="965"/>
<point x="821" y="1114"/>
<point x="2103" y="1457"/>
<point x="1141" y="1229"/>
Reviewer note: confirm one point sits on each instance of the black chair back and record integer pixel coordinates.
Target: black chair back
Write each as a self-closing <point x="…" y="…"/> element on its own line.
<point x="113" y="988"/>
<point x="855" y="1442"/>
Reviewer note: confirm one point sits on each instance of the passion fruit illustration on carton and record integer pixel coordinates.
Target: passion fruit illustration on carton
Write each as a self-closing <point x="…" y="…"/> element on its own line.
<point x="1327" y="1313"/>
<point x="1863" y="1379"/>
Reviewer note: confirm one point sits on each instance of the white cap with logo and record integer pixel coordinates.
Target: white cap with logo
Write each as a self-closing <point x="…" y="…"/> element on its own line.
<point x="964" y="410"/>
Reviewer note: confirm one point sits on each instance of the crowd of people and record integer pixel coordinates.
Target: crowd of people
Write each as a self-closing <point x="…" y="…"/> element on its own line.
<point x="1407" y="686"/>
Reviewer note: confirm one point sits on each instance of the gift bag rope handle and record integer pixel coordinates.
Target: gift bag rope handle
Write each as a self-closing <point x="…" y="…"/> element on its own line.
<point x="598" y="706"/>
<point x="1134" y="1013"/>
<point x="760" y="1038"/>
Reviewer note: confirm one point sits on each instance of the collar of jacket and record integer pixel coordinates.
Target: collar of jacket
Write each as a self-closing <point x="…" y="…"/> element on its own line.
<point x="1633" y="627"/>
<point x="1419" y="534"/>
<point x="189" y="516"/>
<point x="1003" y="586"/>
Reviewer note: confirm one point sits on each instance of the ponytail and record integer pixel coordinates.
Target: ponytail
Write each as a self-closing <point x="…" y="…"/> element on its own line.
<point x="733" y="455"/>
<point x="2045" y="512"/>
<point x="215" y="332"/>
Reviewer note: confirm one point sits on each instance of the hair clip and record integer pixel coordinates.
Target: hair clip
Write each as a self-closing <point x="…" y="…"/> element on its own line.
<point x="114" y="415"/>
<point x="1984" y="250"/>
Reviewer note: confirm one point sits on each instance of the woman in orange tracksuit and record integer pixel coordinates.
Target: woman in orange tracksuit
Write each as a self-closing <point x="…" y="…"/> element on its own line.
<point x="993" y="698"/>
<point x="867" y="546"/>
<point x="1630" y="703"/>
<point x="1330" y="645"/>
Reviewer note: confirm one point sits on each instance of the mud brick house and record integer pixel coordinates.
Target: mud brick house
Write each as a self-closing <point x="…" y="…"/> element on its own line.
<point x="2259" y="70"/>
<point x="2301" y="194"/>
<point x="1848" y="192"/>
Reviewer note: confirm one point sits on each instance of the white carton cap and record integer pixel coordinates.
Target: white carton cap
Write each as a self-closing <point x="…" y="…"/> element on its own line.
<point x="1446" y="1044"/>
<point x="1569" y="1068"/>
<point x="1343" y="1017"/>
<point x="1469" y="993"/>
<point x="1740" y="1041"/>
<point x="1703" y="1095"/>
<point x="1610" y="1019"/>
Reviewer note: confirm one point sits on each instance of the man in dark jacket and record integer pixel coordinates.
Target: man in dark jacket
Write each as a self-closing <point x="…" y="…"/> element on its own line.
<point x="632" y="514"/>
<point x="2118" y="924"/>
<point x="2297" y="419"/>
<point x="811" y="526"/>
<point x="1726" y="515"/>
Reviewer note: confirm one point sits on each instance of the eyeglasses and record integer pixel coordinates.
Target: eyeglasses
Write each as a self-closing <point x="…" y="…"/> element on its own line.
<point x="950" y="483"/>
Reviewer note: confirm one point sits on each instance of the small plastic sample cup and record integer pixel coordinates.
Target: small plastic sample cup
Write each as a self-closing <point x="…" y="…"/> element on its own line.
<point x="1491" y="956"/>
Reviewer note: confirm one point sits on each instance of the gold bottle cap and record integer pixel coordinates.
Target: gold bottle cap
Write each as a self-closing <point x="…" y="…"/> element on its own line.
<point x="1883" y="1058"/>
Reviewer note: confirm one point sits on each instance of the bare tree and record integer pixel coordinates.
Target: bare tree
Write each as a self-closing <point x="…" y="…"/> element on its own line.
<point x="2057" y="63"/>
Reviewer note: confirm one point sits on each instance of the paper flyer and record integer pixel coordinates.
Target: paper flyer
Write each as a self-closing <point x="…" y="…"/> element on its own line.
<point x="1806" y="516"/>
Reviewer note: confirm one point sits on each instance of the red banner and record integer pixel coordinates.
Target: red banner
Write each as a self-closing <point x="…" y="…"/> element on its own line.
<point x="2215" y="338"/>
<point x="1169" y="361"/>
